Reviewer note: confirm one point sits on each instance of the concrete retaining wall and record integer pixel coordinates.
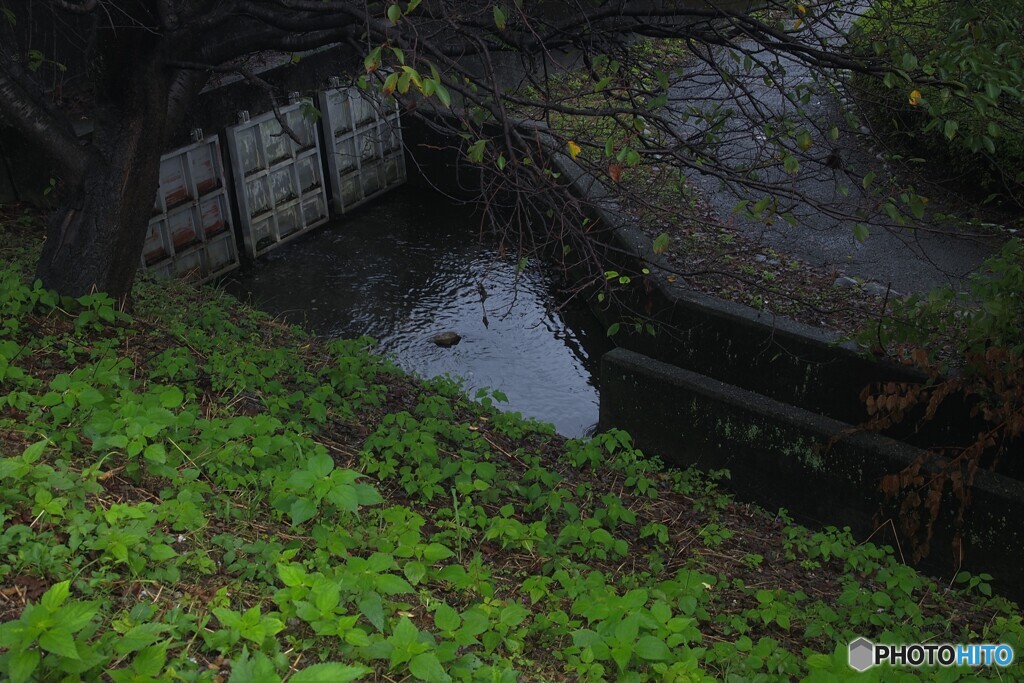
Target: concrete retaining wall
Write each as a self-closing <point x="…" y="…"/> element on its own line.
<point x="818" y="468"/>
<point x="727" y="386"/>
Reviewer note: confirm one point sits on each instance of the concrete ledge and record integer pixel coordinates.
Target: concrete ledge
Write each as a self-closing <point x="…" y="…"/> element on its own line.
<point x="818" y="468"/>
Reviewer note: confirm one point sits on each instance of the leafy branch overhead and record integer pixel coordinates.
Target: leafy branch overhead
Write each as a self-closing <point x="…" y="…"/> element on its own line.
<point x="506" y="82"/>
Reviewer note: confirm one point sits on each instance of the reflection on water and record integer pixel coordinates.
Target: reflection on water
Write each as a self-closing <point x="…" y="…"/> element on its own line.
<point x="411" y="266"/>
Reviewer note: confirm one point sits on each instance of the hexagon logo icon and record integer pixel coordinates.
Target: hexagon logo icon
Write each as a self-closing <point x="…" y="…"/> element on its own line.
<point x="862" y="654"/>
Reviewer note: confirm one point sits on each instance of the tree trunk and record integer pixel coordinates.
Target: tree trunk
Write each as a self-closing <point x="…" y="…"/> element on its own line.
<point x="94" y="241"/>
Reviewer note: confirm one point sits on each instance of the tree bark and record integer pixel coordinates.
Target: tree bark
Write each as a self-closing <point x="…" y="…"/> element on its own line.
<point x="95" y="238"/>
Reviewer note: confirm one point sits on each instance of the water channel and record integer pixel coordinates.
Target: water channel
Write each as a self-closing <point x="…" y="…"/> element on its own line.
<point x="409" y="266"/>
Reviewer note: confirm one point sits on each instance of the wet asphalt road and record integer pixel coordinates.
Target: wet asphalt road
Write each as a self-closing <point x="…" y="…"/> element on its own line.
<point x="924" y="254"/>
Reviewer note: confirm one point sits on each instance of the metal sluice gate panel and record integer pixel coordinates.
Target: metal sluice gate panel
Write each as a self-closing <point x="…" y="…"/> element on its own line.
<point x="363" y="140"/>
<point x="278" y="182"/>
<point x="189" y="232"/>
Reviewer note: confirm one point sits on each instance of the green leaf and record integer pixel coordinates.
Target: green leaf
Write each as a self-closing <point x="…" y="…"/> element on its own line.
<point x="139" y="637"/>
<point x="476" y="151"/>
<point x="302" y="510"/>
<point x="56" y="595"/>
<point x="442" y="93"/>
<point x="426" y="667"/>
<point x="627" y="629"/>
<point x="326" y="597"/>
<point x="499" y="17"/>
<point x="389" y="584"/>
<point x="652" y="649"/>
<point x="950" y="128"/>
<point x="76" y="615"/>
<point x="868" y="179"/>
<point x="20" y="665"/>
<point x="436" y="551"/>
<point x="33" y="452"/>
<point x="661" y="243"/>
<point x="513" y="614"/>
<point x="320" y="465"/>
<point x="446" y="618"/>
<point x="819" y="661"/>
<point x="291" y="574"/>
<point x="161" y="552"/>
<point x="860" y="232"/>
<point x="155" y="453"/>
<point x="171" y="397"/>
<point x="394" y="13"/>
<point x="373" y="609"/>
<point x="150" y="661"/>
<point x="59" y="641"/>
<point x="330" y="672"/>
<point x="344" y="497"/>
<point x="414" y="571"/>
<point x="255" y="668"/>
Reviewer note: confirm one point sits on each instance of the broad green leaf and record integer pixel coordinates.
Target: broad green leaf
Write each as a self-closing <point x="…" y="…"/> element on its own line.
<point x="75" y="616"/>
<point x="161" y="552"/>
<point x="331" y="672"/>
<point x="499" y="17"/>
<point x="254" y="668"/>
<point x="20" y="665"/>
<point x="394" y="13"/>
<point x="414" y="571"/>
<point x="446" y="618"/>
<point x="626" y="630"/>
<point x="652" y="649"/>
<point x="302" y="510"/>
<point x="56" y="595"/>
<point x="661" y="243"/>
<point x="60" y="642"/>
<point x="171" y="397"/>
<point x="372" y="608"/>
<point x="389" y="584"/>
<point x="950" y="128"/>
<point x="155" y="453"/>
<point x="326" y="596"/>
<point x="291" y="574"/>
<point x="860" y="232"/>
<point x="139" y="637"/>
<point x="33" y="452"/>
<point x="320" y="465"/>
<point x="150" y="661"/>
<point x="442" y="93"/>
<point x="426" y="667"/>
<point x="435" y="552"/>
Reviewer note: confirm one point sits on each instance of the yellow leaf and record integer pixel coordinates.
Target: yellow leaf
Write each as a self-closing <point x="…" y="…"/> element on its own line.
<point x="915" y="97"/>
<point x="802" y="9"/>
<point x="574" y="149"/>
<point x="798" y="23"/>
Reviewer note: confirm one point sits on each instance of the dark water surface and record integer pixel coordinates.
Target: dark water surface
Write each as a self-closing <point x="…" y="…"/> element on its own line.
<point x="409" y="267"/>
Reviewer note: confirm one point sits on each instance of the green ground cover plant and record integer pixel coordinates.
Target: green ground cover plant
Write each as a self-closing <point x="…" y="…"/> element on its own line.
<point x="195" y="492"/>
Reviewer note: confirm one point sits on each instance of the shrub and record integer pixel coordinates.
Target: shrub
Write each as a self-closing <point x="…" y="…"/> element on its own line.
<point x="955" y="94"/>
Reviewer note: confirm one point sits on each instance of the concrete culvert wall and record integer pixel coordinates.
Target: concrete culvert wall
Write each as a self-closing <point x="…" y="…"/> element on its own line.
<point x="820" y="469"/>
